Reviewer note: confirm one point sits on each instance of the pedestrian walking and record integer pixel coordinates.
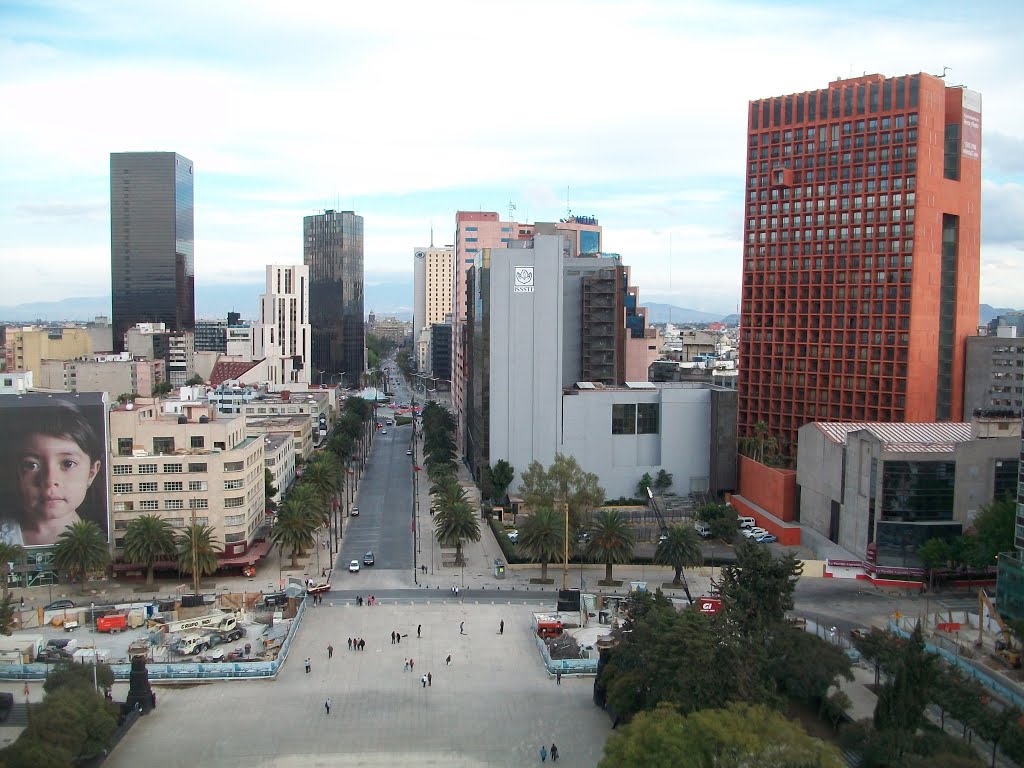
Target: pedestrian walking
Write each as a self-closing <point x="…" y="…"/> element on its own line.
<point x="424" y="681"/>
<point x="327" y="706"/>
<point x="22" y="601"/>
<point x="412" y="664"/>
<point x="362" y="644"/>
<point x="461" y="625"/>
<point x="448" y="661"/>
<point x="398" y="636"/>
<point x="392" y="637"/>
<point x="323" y="573"/>
<point x="554" y="753"/>
<point x="501" y="627"/>
<point x="430" y="679"/>
<point x="543" y="753"/>
<point x="307" y="665"/>
<point x="558" y="678"/>
<point x="350" y="643"/>
<point x="405" y="667"/>
<point x="418" y="628"/>
<point x="330" y="651"/>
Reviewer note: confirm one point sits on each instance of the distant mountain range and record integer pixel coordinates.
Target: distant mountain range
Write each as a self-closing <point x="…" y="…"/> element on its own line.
<point x="392" y="298"/>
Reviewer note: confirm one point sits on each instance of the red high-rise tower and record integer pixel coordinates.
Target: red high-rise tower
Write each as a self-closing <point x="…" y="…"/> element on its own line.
<point x="861" y="253"/>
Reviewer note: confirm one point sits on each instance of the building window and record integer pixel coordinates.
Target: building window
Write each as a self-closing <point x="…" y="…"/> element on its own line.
<point x="175" y="522"/>
<point x="172" y="469"/>
<point x="233" y="466"/>
<point x="232" y="538"/>
<point x="148" y="487"/>
<point x="174" y="504"/>
<point x="647" y="418"/>
<point x="197" y="441"/>
<point x="122" y="469"/>
<point x="234" y="519"/>
<point x="149" y="505"/>
<point x="624" y="419"/>
<point x="197" y="485"/>
<point x="234" y="501"/>
<point x="124" y="506"/>
<point x="163" y="445"/>
<point x="122" y="487"/>
<point x="231" y="485"/>
<point x="125" y="446"/>
<point x="198" y="503"/>
<point x="197" y="467"/>
<point x="120" y="525"/>
<point x="174" y="486"/>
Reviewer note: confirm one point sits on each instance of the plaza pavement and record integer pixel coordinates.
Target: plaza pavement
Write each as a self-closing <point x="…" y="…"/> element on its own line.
<point x="494" y="706"/>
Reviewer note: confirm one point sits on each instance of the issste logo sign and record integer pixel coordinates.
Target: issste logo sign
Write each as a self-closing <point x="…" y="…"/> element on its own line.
<point x="523" y="280"/>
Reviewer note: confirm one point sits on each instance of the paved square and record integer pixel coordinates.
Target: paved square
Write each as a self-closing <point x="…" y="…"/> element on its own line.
<point x="494" y="706"/>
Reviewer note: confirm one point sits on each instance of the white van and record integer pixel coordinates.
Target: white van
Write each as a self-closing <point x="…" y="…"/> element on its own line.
<point x="746" y="522"/>
<point x="703" y="529"/>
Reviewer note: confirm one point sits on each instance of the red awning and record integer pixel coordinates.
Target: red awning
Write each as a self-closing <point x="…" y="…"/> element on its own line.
<point x="256" y="552"/>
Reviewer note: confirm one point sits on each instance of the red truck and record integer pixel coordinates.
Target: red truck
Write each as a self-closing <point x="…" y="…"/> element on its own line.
<point x="112" y="622"/>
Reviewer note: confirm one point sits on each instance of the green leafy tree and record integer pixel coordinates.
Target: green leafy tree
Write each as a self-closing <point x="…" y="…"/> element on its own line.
<point x="81" y="549"/>
<point x="611" y="540"/>
<point x="542" y="537"/>
<point x="994" y="528"/>
<point x="903" y="698"/>
<point x="645" y="482"/>
<point x="723" y="520"/>
<point x="66" y="674"/>
<point x="804" y="666"/>
<point x="681" y="549"/>
<point x="880" y="647"/>
<point x="323" y="476"/>
<point x="663" y="481"/>
<point x="197" y="379"/>
<point x="9" y="553"/>
<point x="454" y="525"/>
<point x="163" y="388"/>
<point x="738" y="736"/>
<point x="269" y="490"/>
<point x="502" y="474"/>
<point x="757" y="590"/>
<point x="934" y="553"/>
<point x="565" y="481"/>
<point x="74" y="719"/>
<point x="148" y="539"/>
<point x="197" y="550"/>
<point x="7" y="616"/>
<point x="294" y="529"/>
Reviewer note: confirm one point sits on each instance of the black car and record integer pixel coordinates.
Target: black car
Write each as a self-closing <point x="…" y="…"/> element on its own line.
<point x="57" y="605"/>
<point x="368" y="558"/>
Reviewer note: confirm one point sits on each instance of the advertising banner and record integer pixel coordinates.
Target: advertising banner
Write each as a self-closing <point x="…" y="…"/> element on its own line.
<point x="971" y="125"/>
<point x="53" y="465"/>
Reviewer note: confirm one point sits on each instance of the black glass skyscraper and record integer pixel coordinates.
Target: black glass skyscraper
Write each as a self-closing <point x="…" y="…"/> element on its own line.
<point x="333" y="251"/>
<point x="152" y="252"/>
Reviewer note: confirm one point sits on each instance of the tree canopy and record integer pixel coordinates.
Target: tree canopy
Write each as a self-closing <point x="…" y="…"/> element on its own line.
<point x="565" y="481"/>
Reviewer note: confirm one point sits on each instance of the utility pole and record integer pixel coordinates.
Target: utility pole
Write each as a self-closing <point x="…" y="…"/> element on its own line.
<point x="565" y="546"/>
<point x="195" y="554"/>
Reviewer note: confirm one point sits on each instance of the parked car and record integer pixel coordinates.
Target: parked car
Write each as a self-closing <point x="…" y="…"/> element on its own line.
<point x="513" y="535"/>
<point x="354" y="512"/>
<point x="383" y="431"/>
<point x="746" y="522"/>
<point x="703" y="529"/>
<point x="353" y="567"/>
<point x="753" y="533"/>
<point x="57" y="605"/>
<point x="368" y="558"/>
<point x="766" y="538"/>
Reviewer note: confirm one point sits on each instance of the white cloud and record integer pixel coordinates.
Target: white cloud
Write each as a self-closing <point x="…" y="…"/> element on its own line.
<point x="639" y="109"/>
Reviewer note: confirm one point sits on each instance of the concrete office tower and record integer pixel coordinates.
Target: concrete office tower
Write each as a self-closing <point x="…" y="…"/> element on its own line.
<point x="282" y="334"/>
<point x="333" y="251"/>
<point x="433" y="282"/>
<point x="152" y="256"/>
<point x="861" y="254"/>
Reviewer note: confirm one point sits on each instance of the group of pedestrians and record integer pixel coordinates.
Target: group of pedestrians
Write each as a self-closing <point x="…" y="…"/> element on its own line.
<point x="544" y="752"/>
<point x="354" y="644"/>
<point x="369" y="600"/>
<point x="396" y="637"/>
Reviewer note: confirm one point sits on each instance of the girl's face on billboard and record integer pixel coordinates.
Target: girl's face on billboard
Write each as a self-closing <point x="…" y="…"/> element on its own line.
<point x="54" y="474"/>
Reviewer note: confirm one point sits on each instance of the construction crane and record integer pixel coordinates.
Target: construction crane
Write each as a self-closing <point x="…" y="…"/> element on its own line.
<point x="662" y="527"/>
<point x="1004" y="646"/>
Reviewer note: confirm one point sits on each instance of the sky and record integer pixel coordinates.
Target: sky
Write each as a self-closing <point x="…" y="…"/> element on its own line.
<point x="406" y="112"/>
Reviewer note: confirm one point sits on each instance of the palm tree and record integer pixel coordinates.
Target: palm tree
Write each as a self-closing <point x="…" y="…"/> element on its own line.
<point x="293" y="529"/>
<point x="81" y="548"/>
<point x="681" y="549"/>
<point x="454" y="525"/>
<point x="542" y="536"/>
<point x="197" y="551"/>
<point x="148" y="539"/>
<point x="304" y="495"/>
<point x="322" y="476"/>
<point x="612" y="540"/>
<point x="9" y="553"/>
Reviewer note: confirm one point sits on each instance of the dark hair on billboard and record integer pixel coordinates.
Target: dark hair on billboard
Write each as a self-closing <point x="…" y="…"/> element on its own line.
<point x="63" y="419"/>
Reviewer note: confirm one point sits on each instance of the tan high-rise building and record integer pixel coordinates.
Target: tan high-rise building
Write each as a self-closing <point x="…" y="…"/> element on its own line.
<point x="282" y="336"/>
<point x="433" y="284"/>
<point x="28" y="347"/>
<point x="194" y="465"/>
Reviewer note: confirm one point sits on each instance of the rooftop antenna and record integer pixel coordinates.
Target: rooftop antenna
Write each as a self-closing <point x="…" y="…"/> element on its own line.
<point x="568" y="210"/>
<point x="670" y="276"/>
<point x="431" y="234"/>
<point x="511" y="210"/>
<point x="945" y="70"/>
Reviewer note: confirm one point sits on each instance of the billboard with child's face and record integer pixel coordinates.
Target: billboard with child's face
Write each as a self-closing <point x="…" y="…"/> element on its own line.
<point x="53" y="465"/>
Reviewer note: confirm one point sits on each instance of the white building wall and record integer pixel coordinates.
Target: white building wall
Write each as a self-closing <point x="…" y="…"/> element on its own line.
<point x="283" y="336"/>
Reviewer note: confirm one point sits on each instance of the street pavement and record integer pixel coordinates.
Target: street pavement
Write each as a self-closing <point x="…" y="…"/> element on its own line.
<point x="494" y="706"/>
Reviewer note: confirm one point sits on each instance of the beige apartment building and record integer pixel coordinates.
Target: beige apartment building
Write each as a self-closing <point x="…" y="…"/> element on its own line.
<point x="279" y="459"/>
<point x="299" y="427"/>
<point x="179" y="465"/>
<point x="28" y="347"/>
<point x="113" y="374"/>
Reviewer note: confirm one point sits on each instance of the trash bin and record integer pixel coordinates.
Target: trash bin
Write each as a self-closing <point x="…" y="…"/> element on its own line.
<point x="499" y="568"/>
